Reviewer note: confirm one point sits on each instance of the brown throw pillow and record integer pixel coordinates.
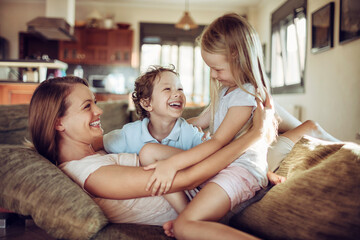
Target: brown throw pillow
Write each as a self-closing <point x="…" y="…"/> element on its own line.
<point x="31" y="185"/>
<point x="320" y="199"/>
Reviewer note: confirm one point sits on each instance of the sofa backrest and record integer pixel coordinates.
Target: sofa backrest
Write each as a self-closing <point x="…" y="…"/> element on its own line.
<point x="14" y="119"/>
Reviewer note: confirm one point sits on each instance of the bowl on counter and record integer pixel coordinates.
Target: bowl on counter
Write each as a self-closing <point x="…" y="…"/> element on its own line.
<point x="123" y="25"/>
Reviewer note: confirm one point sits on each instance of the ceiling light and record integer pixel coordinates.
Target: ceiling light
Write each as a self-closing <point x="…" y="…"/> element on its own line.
<point x="186" y="22"/>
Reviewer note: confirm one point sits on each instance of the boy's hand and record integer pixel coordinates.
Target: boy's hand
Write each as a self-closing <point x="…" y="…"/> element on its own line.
<point x="162" y="178"/>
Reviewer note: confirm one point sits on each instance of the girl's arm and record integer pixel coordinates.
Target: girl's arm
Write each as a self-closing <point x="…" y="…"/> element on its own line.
<point x="165" y="171"/>
<point x="203" y="120"/>
<point x="123" y="182"/>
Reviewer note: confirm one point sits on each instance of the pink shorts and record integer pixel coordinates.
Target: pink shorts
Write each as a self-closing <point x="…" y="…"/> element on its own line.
<point x="239" y="184"/>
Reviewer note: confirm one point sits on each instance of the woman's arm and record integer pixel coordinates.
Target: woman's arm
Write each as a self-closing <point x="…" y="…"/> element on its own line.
<point x="122" y="182"/>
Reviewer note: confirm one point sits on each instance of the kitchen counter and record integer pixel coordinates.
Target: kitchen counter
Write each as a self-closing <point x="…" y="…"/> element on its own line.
<point x="16" y="92"/>
<point x="24" y="63"/>
<point x="40" y="68"/>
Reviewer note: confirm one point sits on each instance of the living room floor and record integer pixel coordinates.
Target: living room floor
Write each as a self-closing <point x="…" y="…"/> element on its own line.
<point x="23" y="230"/>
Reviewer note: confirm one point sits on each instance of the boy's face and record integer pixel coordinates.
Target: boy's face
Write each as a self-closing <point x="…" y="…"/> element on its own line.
<point x="168" y="98"/>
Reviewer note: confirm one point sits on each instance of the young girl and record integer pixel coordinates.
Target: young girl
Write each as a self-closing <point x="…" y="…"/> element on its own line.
<point x="232" y="50"/>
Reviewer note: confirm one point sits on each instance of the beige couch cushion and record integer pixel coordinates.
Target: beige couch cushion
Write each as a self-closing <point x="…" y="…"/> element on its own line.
<point x="320" y="199"/>
<point x="31" y="185"/>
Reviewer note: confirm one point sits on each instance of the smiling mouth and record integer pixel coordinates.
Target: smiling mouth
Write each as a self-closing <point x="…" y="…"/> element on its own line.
<point x="176" y="104"/>
<point x="96" y="123"/>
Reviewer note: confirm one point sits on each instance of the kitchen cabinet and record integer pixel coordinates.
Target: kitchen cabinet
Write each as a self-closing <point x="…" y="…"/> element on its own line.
<point x="14" y="93"/>
<point x="98" y="46"/>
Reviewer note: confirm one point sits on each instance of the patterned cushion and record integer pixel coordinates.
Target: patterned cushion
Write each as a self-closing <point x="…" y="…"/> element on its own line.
<point x="320" y="199"/>
<point x="31" y="185"/>
<point x="14" y="123"/>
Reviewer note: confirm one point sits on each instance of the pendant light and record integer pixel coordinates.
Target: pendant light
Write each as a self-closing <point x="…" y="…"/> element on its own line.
<point x="186" y="22"/>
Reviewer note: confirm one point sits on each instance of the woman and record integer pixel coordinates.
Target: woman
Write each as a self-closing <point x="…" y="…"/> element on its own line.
<point x="64" y="120"/>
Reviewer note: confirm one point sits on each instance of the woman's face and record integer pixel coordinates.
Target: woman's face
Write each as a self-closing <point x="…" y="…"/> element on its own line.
<point x="81" y="122"/>
<point x="219" y="68"/>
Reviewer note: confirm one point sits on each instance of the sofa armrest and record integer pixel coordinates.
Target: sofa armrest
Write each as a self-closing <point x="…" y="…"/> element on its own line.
<point x="319" y="200"/>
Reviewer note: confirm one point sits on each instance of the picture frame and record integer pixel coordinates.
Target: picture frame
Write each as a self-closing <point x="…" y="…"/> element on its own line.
<point x="322" y="28"/>
<point x="349" y="26"/>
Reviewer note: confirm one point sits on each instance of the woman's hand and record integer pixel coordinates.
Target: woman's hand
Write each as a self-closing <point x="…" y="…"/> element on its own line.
<point x="162" y="178"/>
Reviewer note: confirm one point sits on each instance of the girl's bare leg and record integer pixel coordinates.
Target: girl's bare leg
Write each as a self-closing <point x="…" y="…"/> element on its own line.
<point x="210" y="204"/>
<point x="310" y="128"/>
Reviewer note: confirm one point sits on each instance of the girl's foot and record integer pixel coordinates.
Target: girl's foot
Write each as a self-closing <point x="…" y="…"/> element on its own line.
<point x="168" y="229"/>
<point x="274" y="178"/>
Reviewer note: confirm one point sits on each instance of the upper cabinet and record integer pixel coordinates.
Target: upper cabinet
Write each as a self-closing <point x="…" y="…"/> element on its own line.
<point x="98" y="46"/>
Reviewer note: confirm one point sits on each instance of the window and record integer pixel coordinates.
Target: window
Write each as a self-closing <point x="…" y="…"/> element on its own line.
<point x="288" y="47"/>
<point x="163" y="44"/>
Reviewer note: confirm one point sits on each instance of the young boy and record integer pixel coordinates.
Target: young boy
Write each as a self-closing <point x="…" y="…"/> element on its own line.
<point x="160" y="101"/>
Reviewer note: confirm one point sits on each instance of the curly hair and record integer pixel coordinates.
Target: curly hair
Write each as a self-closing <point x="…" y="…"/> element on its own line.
<point x="144" y="86"/>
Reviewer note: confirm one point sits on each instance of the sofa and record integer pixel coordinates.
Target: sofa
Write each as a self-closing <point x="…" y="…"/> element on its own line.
<point x="319" y="200"/>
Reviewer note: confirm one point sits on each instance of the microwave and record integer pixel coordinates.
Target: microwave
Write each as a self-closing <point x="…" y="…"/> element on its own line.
<point x="97" y="83"/>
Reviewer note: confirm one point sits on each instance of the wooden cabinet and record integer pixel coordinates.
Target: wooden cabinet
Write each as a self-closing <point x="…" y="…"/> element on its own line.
<point x="120" y="46"/>
<point x="71" y="51"/>
<point x="13" y="93"/>
<point x="98" y="46"/>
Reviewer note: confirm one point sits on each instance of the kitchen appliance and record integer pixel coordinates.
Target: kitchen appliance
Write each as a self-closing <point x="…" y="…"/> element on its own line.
<point x="97" y="83"/>
<point x="51" y="28"/>
<point x="111" y="83"/>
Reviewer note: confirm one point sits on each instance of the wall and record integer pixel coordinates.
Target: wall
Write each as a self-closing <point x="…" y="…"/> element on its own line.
<point x="332" y="78"/>
<point x="13" y="19"/>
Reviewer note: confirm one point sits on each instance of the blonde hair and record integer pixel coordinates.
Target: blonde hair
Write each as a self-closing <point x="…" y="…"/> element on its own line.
<point x="144" y="86"/>
<point x="48" y="103"/>
<point x="232" y="36"/>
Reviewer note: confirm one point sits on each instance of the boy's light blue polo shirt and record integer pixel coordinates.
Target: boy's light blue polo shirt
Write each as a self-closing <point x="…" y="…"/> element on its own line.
<point x="133" y="136"/>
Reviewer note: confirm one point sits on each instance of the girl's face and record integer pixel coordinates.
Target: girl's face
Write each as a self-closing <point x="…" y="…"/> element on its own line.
<point x="168" y="98"/>
<point x="81" y="122"/>
<point x="219" y="68"/>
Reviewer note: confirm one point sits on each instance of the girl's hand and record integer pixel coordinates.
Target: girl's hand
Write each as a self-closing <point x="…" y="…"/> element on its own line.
<point x="263" y="114"/>
<point x="162" y="178"/>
